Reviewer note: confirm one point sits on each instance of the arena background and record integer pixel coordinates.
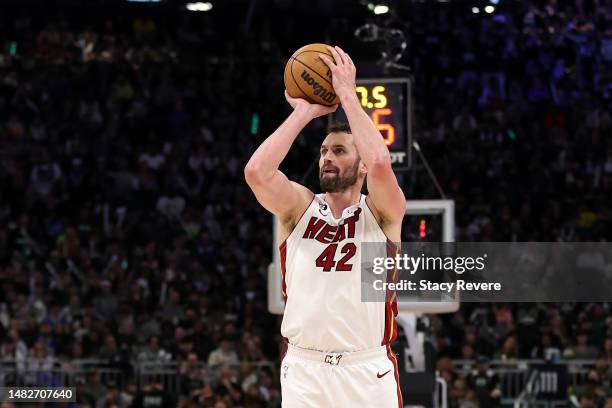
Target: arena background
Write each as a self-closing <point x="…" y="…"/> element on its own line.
<point x="133" y="257"/>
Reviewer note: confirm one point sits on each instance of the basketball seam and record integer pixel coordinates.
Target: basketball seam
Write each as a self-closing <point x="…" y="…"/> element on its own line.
<point x="296" y="82"/>
<point x="318" y="52"/>
<point x="310" y="68"/>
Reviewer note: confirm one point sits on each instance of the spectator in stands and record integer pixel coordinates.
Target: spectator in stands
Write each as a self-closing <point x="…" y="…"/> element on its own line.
<point x="546" y="349"/>
<point x="153" y="394"/>
<point x="600" y="377"/>
<point x="223" y="355"/>
<point x="457" y="391"/>
<point x="128" y="394"/>
<point x="173" y="310"/>
<point x="203" y="396"/>
<point x="112" y="397"/>
<point x="106" y="303"/>
<point x="581" y="349"/>
<point x="588" y="399"/>
<point x="250" y="349"/>
<point x="509" y="349"/>
<point x="153" y="351"/>
<point x="486" y="384"/>
<point x="248" y="376"/>
<point x="13" y="348"/>
<point x="192" y="374"/>
<point x="253" y="398"/>
<point x="93" y="388"/>
<point x="228" y="385"/>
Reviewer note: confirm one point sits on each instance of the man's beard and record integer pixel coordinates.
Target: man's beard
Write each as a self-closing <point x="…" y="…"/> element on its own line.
<point x="336" y="183"/>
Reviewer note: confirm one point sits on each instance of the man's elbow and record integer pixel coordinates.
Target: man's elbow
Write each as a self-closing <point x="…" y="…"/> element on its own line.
<point x="253" y="173"/>
<point x="381" y="164"/>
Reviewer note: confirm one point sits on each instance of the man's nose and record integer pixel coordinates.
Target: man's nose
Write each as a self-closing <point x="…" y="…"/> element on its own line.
<point x="327" y="157"/>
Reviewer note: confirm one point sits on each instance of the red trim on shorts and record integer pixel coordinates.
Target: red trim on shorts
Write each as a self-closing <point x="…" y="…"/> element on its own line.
<point x="390" y="332"/>
<point x="393" y="358"/>
<point x="284" y="348"/>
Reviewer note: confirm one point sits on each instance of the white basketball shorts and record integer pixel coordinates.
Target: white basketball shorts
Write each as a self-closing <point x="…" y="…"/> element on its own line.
<point x="362" y="379"/>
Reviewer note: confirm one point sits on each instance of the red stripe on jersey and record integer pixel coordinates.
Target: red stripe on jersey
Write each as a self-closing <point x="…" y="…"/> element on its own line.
<point x="283" y="261"/>
<point x="283" y="253"/>
<point x="393" y="358"/>
<point x="390" y="332"/>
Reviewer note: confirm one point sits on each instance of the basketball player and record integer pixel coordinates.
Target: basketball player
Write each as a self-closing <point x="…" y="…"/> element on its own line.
<point x="338" y="353"/>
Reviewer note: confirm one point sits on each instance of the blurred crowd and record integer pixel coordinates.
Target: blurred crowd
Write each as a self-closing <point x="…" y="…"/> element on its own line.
<point x="505" y="333"/>
<point x="127" y="233"/>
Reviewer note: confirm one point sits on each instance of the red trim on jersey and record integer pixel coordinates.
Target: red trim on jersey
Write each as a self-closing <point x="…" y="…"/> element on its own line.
<point x="393" y="358"/>
<point x="283" y="260"/>
<point x="390" y="332"/>
<point x="283" y="254"/>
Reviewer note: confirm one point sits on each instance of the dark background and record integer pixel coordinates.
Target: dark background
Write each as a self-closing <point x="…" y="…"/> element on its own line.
<point x="127" y="232"/>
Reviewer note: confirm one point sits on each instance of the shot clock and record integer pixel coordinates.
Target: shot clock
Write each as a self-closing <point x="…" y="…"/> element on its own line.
<point x="387" y="102"/>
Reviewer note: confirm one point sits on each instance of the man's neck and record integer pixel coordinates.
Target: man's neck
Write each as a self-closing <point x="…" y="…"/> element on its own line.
<point x="339" y="201"/>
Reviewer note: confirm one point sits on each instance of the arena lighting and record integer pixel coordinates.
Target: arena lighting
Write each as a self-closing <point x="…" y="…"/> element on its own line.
<point x="494" y="2"/>
<point x="199" y="6"/>
<point x="381" y="9"/>
<point x="475" y="10"/>
<point x="489" y="9"/>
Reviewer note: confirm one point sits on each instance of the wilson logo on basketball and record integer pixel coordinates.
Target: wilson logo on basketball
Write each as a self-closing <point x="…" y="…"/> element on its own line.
<point x="319" y="90"/>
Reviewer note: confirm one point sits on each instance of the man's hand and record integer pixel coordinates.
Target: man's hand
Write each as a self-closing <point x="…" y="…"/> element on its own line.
<point x="312" y="109"/>
<point x="343" y="71"/>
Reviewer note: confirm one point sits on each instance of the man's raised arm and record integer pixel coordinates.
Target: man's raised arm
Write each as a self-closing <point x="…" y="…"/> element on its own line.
<point x="285" y="199"/>
<point x="384" y="191"/>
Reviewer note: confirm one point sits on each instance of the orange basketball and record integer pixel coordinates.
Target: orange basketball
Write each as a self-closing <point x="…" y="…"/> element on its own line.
<point x="307" y="76"/>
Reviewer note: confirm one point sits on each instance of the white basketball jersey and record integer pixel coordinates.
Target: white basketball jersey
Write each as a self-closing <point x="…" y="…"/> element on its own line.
<point x="321" y="271"/>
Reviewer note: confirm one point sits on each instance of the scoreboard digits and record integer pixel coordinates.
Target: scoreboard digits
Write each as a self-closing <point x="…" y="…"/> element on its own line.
<point x="378" y="94"/>
<point x="386" y="101"/>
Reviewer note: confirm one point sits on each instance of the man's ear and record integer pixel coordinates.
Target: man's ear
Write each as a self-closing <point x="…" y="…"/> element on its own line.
<point x="362" y="168"/>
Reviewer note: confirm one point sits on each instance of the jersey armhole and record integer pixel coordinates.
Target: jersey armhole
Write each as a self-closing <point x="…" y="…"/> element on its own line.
<point x="297" y="224"/>
<point x="389" y="241"/>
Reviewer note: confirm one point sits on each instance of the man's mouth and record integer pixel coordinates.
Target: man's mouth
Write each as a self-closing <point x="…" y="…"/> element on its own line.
<point x="329" y="171"/>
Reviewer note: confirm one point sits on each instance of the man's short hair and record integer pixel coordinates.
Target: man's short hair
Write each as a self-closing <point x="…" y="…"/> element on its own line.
<point x="339" y="127"/>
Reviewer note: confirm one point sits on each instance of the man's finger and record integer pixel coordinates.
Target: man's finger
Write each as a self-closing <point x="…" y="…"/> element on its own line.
<point x="343" y="55"/>
<point x="336" y="56"/>
<point x="327" y="62"/>
<point x="350" y="60"/>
